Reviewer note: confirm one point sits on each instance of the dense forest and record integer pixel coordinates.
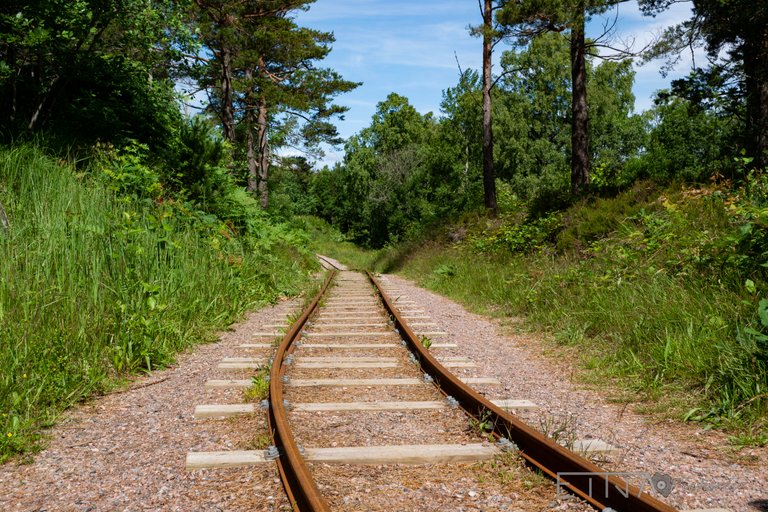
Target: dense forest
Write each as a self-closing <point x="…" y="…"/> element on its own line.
<point x="130" y="230"/>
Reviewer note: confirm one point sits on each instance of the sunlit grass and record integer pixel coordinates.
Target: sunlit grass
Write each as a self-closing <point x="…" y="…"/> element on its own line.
<point x="645" y="325"/>
<point x="95" y="287"/>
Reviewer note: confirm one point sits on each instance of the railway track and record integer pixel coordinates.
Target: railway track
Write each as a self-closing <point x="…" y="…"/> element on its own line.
<point x="359" y="366"/>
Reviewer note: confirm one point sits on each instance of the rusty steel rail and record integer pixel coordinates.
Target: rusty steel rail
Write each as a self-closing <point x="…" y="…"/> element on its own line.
<point x="299" y="485"/>
<point x="538" y="450"/>
<point x="328" y="261"/>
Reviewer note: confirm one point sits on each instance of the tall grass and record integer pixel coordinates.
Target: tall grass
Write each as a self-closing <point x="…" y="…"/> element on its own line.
<point x="655" y="304"/>
<point x="95" y="286"/>
<point x="329" y="241"/>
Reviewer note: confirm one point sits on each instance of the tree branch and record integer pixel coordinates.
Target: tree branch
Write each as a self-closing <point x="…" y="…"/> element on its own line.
<point x="505" y="73"/>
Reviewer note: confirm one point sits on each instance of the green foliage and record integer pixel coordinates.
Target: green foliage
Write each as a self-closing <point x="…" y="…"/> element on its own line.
<point x="513" y="236"/>
<point x="329" y="241"/>
<point x="733" y="32"/>
<point x="291" y="188"/>
<point x="532" y="115"/>
<point x="687" y="143"/>
<point x="127" y="174"/>
<point x="595" y="218"/>
<point x="260" y="70"/>
<point x="100" y="277"/>
<point x="445" y="270"/>
<point x="197" y="163"/>
<point x="259" y="389"/>
<point x="383" y="190"/>
<point x="663" y="291"/>
<point x="525" y="20"/>
<point x="406" y="172"/>
<point x="89" y="70"/>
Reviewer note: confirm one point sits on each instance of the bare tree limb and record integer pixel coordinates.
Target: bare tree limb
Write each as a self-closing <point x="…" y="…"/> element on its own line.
<point x="505" y="73"/>
<point x="456" y="56"/>
<point x="298" y="114"/>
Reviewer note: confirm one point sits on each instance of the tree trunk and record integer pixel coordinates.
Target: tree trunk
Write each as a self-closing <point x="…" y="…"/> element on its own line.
<point x="227" y="95"/>
<point x="756" y="71"/>
<point x="43" y="105"/>
<point x="14" y="90"/>
<point x="263" y="153"/>
<point x="579" y="113"/>
<point x="253" y="175"/>
<point x="489" y="177"/>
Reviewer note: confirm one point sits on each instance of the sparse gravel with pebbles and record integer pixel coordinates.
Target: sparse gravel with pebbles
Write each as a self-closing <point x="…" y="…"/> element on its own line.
<point x="126" y="451"/>
<point x="705" y="471"/>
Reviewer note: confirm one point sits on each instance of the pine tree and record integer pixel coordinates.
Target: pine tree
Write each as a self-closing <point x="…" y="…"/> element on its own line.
<point x="262" y="78"/>
<point x="739" y="27"/>
<point x="284" y="92"/>
<point x="529" y="18"/>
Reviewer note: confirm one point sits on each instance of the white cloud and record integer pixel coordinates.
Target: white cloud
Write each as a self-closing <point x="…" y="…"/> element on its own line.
<point x="356" y="10"/>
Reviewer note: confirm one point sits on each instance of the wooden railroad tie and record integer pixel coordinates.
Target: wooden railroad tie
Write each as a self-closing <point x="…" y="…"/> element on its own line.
<point x="228" y="410"/>
<point x="395" y="454"/>
<point x="392" y="454"/>
<point x="342" y="346"/>
<point x="345" y="334"/>
<point x="239" y="383"/>
<point x="377" y="324"/>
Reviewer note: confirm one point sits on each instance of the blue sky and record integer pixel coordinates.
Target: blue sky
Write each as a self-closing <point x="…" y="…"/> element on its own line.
<point x="411" y="46"/>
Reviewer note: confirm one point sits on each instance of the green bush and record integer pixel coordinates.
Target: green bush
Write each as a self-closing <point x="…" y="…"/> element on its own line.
<point x="594" y="218"/>
<point x="518" y="237"/>
<point x="649" y="285"/>
<point x="101" y="278"/>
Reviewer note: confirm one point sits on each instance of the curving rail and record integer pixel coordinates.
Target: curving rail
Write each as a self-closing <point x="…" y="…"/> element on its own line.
<point x="299" y="485"/>
<point x="538" y="450"/>
<point x="541" y="452"/>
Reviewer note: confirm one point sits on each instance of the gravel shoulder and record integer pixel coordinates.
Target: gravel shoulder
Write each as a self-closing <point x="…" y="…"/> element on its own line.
<point x="126" y="451"/>
<point x="705" y="472"/>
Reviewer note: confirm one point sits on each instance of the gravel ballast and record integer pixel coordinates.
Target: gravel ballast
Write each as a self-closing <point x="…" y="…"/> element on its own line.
<point x="126" y="451"/>
<point x="704" y="470"/>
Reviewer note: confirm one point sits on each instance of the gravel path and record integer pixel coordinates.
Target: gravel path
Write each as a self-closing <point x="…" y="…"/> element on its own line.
<point x="705" y="472"/>
<point x="126" y="451"/>
<point x="501" y="484"/>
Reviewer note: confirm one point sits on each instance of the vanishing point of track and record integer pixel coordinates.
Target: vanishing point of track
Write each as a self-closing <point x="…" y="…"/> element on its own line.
<point x="575" y="472"/>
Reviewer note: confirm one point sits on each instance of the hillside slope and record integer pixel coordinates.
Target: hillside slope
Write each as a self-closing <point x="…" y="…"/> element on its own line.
<point x="659" y="293"/>
<point x="95" y="285"/>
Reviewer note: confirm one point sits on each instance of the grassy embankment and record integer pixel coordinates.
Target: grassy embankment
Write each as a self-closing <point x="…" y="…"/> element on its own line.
<point x="659" y="294"/>
<point x="95" y="286"/>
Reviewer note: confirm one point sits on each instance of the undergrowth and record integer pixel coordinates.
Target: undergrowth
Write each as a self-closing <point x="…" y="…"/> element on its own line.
<point x="329" y="241"/>
<point x="97" y="284"/>
<point x="663" y="292"/>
